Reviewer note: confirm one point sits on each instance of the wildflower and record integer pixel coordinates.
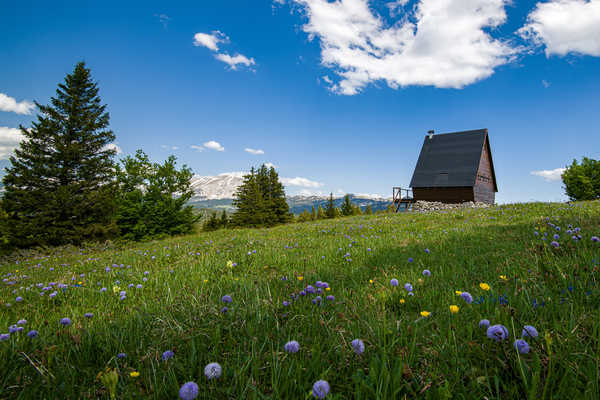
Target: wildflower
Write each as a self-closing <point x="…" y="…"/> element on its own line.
<point x="65" y="321"/>
<point x="370" y="280"/>
<point x="330" y="298"/>
<point x="394" y="282"/>
<point x="410" y="259"/>
<point x="310" y="289"/>
<point x="167" y="355"/>
<point x="224" y="310"/>
<point x="188" y="391"/>
<point x="327" y="289"/>
<point x="484" y="323"/>
<point x="427" y="251"/>
<point x="554" y="244"/>
<point x="425" y="314"/>
<point x="19" y="299"/>
<point x="426" y="272"/>
<point x="32" y="334"/>
<point x="121" y="355"/>
<point x="402" y="301"/>
<point x="292" y="346"/>
<point x="408" y="287"/>
<point x="134" y="374"/>
<point x="4" y="336"/>
<point x="212" y="370"/>
<point x="21" y="322"/>
<point x="530" y="331"/>
<point x="320" y="389"/>
<point x="458" y="292"/>
<point x="103" y="290"/>
<point x="116" y="289"/>
<point x="454" y="309"/>
<point x="12" y="329"/>
<point x="317" y="300"/>
<point x="226" y="299"/>
<point x="302" y="293"/>
<point x="521" y="346"/>
<point x="595" y="239"/>
<point x="497" y="332"/>
<point x="88" y="315"/>
<point x="358" y="346"/>
<point x="139" y="286"/>
<point x="300" y="278"/>
<point x="466" y="296"/>
<point x="286" y="303"/>
<point x="484" y="286"/>
<point x="503" y="277"/>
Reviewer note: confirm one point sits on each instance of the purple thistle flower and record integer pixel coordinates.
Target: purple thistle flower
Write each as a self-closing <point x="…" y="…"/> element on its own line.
<point x="394" y="282"/>
<point x="188" y="391"/>
<point x="530" y="331"/>
<point x="88" y="315"/>
<point x="358" y="346"/>
<point x="426" y="272"/>
<point x="292" y="346"/>
<point x="330" y="298"/>
<point x="497" y="332"/>
<point x="167" y="355"/>
<point x="226" y="299"/>
<point x="65" y="321"/>
<point x="213" y="370"/>
<point x="408" y="287"/>
<point x="320" y="389"/>
<point x="32" y="334"/>
<point x="466" y="296"/>
<point x="521" y="346"/>
<point x="121" y="355"/>
<point x="4" y="336"/>
<point x="484" y="323"/>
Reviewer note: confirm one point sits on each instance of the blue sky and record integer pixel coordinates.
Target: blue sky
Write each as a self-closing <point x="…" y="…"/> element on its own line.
<point x="336" y="94"/>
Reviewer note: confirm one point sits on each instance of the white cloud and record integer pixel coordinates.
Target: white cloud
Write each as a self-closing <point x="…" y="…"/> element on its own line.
<point x="565" y="26"/>
<point x="308" y="192"/>
<point x="442" y="43"/>
<point x="164" y="19"/>
<point x="235" y="61"/>
<point x="113" y="146"/>
<point x="545" y="83"/>
<point x="197" y="148"/>
<point x="9" y="104"/>
<point x="167" y="147"/>
<point x="302" y="182"/>
<point x="10" y="138"/>
<point x="211" y="144"/>
<point x="371" y="196"/>
<point x="254" y="151"/>
<point x="210" y="40"/>
<point x="269" y="165"/>
<point x="549" y="175"/>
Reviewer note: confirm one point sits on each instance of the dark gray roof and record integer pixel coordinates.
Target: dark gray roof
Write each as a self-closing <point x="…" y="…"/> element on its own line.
<point x="450" y="159"/>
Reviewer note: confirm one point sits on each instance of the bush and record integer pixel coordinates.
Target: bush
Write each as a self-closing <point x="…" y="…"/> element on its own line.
<point x="582" y="181"/>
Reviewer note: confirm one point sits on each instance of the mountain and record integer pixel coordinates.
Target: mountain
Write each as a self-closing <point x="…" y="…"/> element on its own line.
<point x="222" y="186"/>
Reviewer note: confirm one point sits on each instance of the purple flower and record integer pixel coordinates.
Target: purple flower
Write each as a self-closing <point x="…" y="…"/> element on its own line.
<point x="121" y="355"/>
<point x="426" y="272"/>
<point x="226" y="299"/>
<point x="65" y="321"/>
<point x="21" y="322"/>
<point x="224" y="310"/>
<point x="317" y="300"/>
<point x="466" y="296"/>
<point x="410" y="259"/>
<point x="32" y="334"/>
<point x="103" y="290"/>
<point x="394" y="282"/>
<point x="188" y="391"/>
<point x="358" y="346"/>
<point x="554" y="244"/>
<point x="320" y="389"/>
<point x="12" y="329"/>
<point x="88" y="315"/>
<point x="292" y="346"/>
<point x="330" y="298"/>
<point x="286" y="303"/>
<point x="213" y="370"/>
<point x="595" y="239"/>
<point x="302" y="293"/>
<point x="530" y="331"/>
<point x="19" y="299"/>
<point x="484" y="323"/>
<point x="408" y="287"/>
<point x="497" y="332"/>
<point x="139" y="286"/>
<point x="521" y="346"/>
<point x="310" y="289"/>
<point x="556" y="236"/>
<point x="167" y="355"/>
<point x="4" y="336"/>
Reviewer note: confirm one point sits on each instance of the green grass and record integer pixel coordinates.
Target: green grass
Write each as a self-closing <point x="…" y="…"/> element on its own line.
<point x="442" y="356"/>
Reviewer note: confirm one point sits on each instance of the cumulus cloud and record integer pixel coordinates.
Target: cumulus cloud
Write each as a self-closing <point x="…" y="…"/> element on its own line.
<point x="9" y="104"/>
<point x="254" y="151"/>
<point x="565" y="26"/>
<point x="549" y="175"/>
<point x="270" y="165"/>
<point x="441" y="43"/>
<point x="164" y="19"/>
<point x="213" y="145"/>
<point x="113" y="146"/>
<point x="167" y="147"/>
<point x="10" y="138"/>
<point x="197" y="148"/>
<point x="210" y="40"/>
<point x="302" y="182"/>
<point x="235" y="61"/>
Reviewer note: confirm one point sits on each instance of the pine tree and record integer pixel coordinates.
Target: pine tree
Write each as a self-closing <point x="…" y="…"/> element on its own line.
<point x="313" y="214"/>
<point x="347" y="206"/>
<point x="330" y="208"/>
<point x="278" y="204"/>
<point x="368" y="210"/>
<point x="60" y="187"/>
<point x="224" y="220"/>
<point x="212" y="223"/>
<point x="320" y="213"/>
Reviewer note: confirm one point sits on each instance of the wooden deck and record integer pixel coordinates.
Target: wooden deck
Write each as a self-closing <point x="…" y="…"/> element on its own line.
<point x="402" y="198"/>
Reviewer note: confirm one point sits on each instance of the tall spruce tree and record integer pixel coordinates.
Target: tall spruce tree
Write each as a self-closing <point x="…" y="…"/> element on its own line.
<point x="320" y="212"/>
<point x="60" y="187"/>
<point x="330" y="211"/>
<point x="313" y="214"/>
<point x="347" y="206"/>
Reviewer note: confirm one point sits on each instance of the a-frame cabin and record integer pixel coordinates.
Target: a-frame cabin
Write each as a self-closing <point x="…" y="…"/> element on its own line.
<point x="454" y="168"/>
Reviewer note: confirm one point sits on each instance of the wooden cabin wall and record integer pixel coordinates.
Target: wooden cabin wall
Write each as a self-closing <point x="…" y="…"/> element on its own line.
<point x="484" y="182"/>
<point x="444" y="194"/>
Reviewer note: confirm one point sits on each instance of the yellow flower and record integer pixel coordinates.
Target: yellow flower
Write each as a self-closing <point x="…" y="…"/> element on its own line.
<point x="420" y="280"/>
<point x="370" y="280"/>
<point x="425" y="314"/>
<point x="206" y="281"/>
<point x="300" y="278"/>
<point x="116" y="289"/>
<point x="80" y="283"/>
<point x="402" y="301"/>
<point x="484" y="286"/>
<point x="134" y="374"/>
<point x="458" y="292"/>
<point x="503" y="277"/>
<point x="236" y="278"/>
<point x="453" y="309"/>
<point x="230" y="264"/>
<point x="327" y="289"/>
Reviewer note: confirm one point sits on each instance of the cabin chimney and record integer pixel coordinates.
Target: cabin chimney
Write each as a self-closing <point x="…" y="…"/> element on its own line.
<point x="430" y="133"/>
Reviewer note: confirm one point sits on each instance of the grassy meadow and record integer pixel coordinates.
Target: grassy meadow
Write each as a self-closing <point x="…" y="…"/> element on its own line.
<point x="414" y="345"/>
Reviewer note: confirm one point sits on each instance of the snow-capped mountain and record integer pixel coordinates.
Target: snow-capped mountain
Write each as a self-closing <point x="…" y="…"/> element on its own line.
<point x="222" y="186"/>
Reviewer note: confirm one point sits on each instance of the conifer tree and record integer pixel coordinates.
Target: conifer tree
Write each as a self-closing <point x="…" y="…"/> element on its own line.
<point x="330" y="210"/>
<point x="320" y="212"/>
<point x="224" y="220"/>
<point x="278" y="204"/>
<point x="313" y="214"/>
<point x="368" y="210"/>
<point x="347" y="206"/>
<point x="60" y="187"/>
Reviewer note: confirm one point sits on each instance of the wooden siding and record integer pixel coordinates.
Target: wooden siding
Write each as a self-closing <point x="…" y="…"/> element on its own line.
<point x="444" y="194"/>
<point x="484" y="182"/>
